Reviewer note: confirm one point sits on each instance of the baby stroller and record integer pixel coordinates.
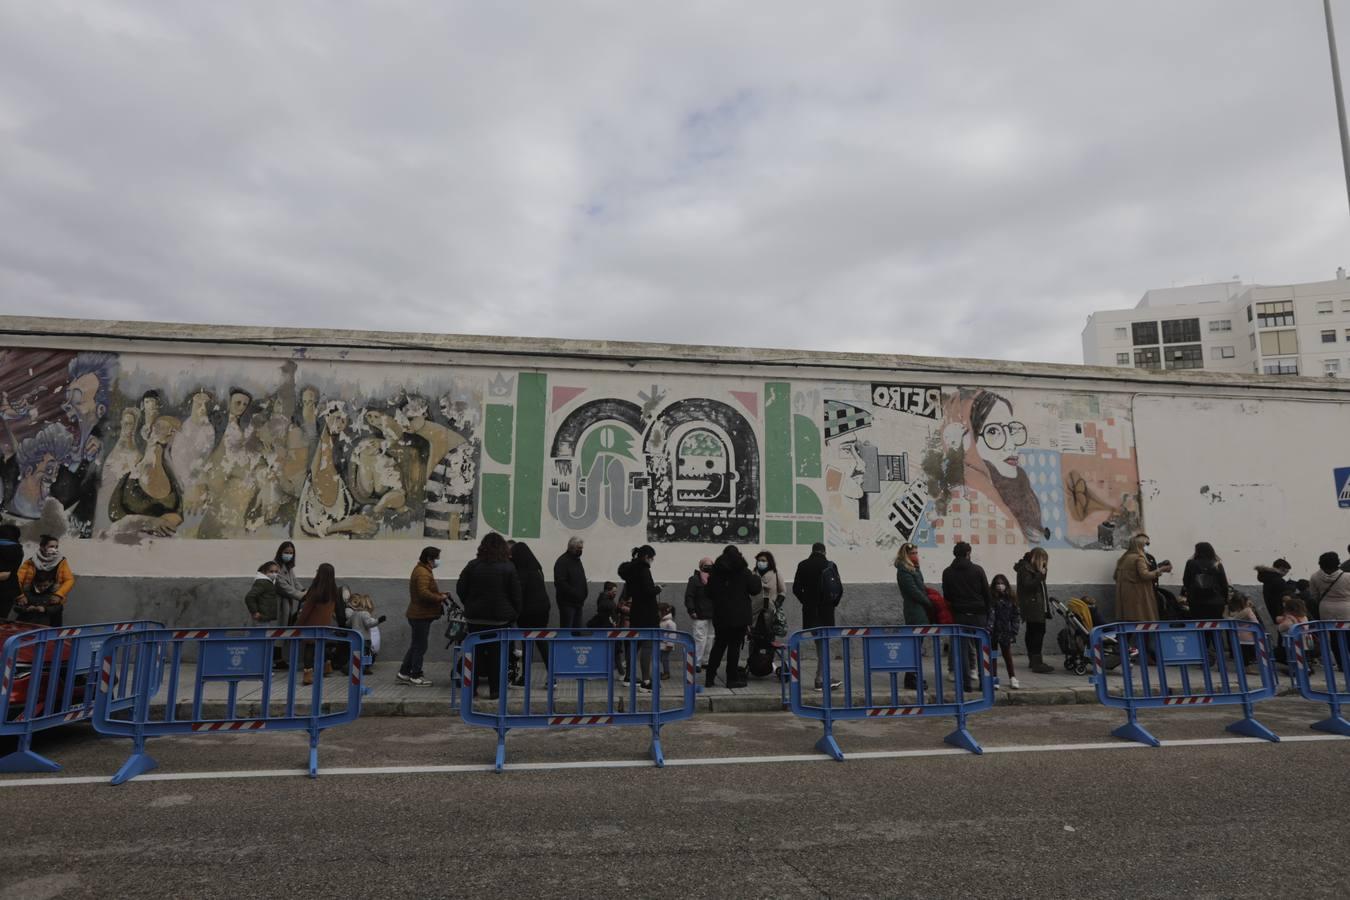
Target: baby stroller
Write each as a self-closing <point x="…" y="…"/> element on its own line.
<point x="762" y="656"/>
<point x="1075" y="638"/>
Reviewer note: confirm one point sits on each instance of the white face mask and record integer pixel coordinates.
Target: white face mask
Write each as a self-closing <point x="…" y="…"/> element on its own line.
<point x="435" y="563"/>
<point x="762" y="566"/>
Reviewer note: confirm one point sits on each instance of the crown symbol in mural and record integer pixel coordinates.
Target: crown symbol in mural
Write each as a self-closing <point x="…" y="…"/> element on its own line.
<point x="501" y="386"/>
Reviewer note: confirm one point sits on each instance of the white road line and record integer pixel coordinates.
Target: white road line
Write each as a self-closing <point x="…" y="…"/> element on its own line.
<point x="647" y="764"/>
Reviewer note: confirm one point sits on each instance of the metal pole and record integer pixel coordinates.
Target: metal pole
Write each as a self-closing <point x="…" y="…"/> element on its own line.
<point x="1340" y="98"/>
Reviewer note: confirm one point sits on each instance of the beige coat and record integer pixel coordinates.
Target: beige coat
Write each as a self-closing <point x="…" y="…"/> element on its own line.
<point x="1135" y="600"/>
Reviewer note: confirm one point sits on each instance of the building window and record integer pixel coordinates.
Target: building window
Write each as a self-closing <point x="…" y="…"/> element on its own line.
<point x="1249" y="312"/>
<point x="1148" y="358"/>
<point x="1278" y="343"/>
<point x="1121" y="333"/>
<point x="1191" y="356"/>
<point x="1220" y="325"/>
<point x="1345" y="306"/>
<point x="1252" y="338"/>
<point x="1280" y="367"/>
<point x="1145" y="333"/>
<point x="1273" y="315"/>
<point x="1181" y="331"/>
<point x="1331" y="366"/>
<point x="1325" y="307"/>
<point x="1329" y="336"/>
<point x="1122" y="359"/>
<point x="1222" y="352"/>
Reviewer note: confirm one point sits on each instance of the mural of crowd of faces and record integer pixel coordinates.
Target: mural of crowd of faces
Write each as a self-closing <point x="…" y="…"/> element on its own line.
<point x="150" y="445"/>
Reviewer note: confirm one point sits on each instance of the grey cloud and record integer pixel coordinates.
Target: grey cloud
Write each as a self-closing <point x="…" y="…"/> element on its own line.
<point x="960" y="179"/>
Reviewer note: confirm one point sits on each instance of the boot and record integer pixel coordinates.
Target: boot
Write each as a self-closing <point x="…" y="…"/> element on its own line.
<point x="1038" y="665"/>
<point x="309" y="677"/>
<point x="328" y="667"/>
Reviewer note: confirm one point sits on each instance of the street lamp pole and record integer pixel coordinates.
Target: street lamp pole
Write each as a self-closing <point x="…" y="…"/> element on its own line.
<point x="1340" y="98"/>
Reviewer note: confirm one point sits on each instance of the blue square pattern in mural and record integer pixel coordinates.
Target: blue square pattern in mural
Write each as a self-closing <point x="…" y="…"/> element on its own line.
<point x="1043" y="471"/>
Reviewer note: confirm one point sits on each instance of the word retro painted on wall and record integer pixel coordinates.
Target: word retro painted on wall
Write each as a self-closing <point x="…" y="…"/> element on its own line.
<point x="109" y="445"/>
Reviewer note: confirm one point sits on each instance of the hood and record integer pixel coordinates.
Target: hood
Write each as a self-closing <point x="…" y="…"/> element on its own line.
<point x="731" y="564"/>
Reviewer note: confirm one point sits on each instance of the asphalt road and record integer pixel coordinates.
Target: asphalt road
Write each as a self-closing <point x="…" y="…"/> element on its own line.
<point x="1202" y="820"/>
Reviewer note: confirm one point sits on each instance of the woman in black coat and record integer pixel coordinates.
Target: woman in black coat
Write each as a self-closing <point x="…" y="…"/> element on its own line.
<point x="533" y="598"/>
<point x="732" y="587"/>
<point x="641" y="592"/>
<point x="489" y="588"/>
<point x="1204" y="583"/>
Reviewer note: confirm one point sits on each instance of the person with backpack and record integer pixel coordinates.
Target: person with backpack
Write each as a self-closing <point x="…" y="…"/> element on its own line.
<point x="732" y="586"/>
<point x="966" y="588"/>
<point x="1204" y="584"/>
<point x="819" y="589"/>
<point x="699" y="606"/>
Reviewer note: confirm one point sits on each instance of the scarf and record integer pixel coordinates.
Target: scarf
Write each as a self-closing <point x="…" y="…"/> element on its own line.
<point x="47" y="561"/>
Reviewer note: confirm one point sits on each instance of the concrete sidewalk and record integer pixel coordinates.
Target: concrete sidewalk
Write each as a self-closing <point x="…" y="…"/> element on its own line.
<point x="388" y="697"/>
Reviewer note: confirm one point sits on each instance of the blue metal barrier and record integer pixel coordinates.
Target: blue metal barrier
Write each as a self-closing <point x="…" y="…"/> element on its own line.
<point x="47" y="679"/>
<point x="231" y="657"/>
<point x="1156" y="663"/>
<point x="1326" y="640"/>
<point x="580" y="657"/>
<point x="886" y="653"/>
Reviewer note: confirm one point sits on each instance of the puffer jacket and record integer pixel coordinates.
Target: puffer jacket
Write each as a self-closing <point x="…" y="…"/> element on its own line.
<point x="1004" y="620"/>
<point x="918" y="609"/>
<point x="732" y="587"/>
<point x="490" y="592"/>
<point x="262" y="599"/>
<point x="424" y="595"/>
<point x="696" y="600"/>
<point x="642" y="592"/>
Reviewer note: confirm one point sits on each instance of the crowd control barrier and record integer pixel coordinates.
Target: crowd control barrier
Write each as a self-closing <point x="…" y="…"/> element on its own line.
<point x="240" y="660"/>
<point x="1169" y="664"/>
<point x="887" y="653"/>
<point x="1327" y="641"/>
<point x="47" y="679"/>
<point x="585" y="661"/>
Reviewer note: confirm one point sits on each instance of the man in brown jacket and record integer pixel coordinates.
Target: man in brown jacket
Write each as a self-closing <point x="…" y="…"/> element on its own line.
<point x="426" y="602"/>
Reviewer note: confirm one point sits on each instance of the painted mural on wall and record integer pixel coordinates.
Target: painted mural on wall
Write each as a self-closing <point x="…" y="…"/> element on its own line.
<point x="290" y="449"/>
<point x="167" y="446"/>
<point x="53" y="408"/>
<point x="934" y="465"/>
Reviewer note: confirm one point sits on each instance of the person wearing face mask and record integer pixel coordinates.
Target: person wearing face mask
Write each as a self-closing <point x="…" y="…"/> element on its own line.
<point x="1004" y="620"/>
<point x="772" y="583"/>
<point x="289" y="591"/>
<point x="1135" y="581"/>
<point x="425" y="605"/>
<point x="700" y="608"/>
<point x="263" y="602"/>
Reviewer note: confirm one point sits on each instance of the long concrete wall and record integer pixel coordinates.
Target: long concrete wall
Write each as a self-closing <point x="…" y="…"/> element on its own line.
<point x="174" y="459"/>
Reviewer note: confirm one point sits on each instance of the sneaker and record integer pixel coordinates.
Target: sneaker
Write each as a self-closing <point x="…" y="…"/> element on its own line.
<point x="403" y="679"/>
<point x="1014" y="683"/>
<point x="645" y="687"/>
<point x="419" y="681"/>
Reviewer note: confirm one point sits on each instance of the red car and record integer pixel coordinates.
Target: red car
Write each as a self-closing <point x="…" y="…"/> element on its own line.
<point x="21" y="677"/>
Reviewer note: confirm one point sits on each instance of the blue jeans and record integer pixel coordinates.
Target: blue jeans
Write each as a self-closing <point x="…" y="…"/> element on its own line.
<point x="412" y="660"/>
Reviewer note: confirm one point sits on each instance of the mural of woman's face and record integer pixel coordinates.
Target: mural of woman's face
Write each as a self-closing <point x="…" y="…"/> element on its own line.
<point x="999" y="439"/>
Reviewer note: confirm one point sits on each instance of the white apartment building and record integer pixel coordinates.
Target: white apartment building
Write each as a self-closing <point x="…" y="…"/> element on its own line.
<point x="1292" y="329"/>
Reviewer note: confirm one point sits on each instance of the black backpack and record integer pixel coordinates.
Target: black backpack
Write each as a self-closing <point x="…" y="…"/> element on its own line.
<point x="831" y="587"/>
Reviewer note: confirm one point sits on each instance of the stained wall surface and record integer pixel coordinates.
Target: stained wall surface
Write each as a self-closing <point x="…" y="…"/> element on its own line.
<point x="169" y="452"/>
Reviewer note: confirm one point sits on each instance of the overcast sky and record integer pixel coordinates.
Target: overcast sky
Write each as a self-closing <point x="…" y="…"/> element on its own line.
<point x="964" y="179"/>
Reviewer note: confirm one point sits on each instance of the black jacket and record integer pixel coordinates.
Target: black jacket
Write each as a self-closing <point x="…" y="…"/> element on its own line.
<point x="569" y="581"/>
<point x="1032" y="601"/>
<point x="732" y="585"/>
<point x="490" y="592"/>
<point x="533" y="597"/>
<point x="806" y="583"/>
<point x="696" y="600"/>
<point x="642" y="593"/>
<point x="966" y="589"/>
<point x="1205" y="602"/>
